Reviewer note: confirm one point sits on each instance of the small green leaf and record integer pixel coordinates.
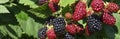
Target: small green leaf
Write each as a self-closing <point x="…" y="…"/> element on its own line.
<point x="29" y="2"/>
<point x="28" y="24"/>
<point x="66" y="2"/>
<point x="66" y="9"/>
<point x="3" y="9"/>
<point x="3" y="1"/>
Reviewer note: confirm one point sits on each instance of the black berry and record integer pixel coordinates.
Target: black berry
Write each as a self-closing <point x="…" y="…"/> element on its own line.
<point x="94" y="23"/>
<point x="69" y="36"/>
<point x="42" y="33"/>
<point x="59" y="25"/>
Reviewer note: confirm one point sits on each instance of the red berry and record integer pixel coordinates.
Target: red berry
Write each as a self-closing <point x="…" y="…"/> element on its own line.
<point x="107" y="18"/>
<point x="97" y="5"/>
<point x="87" y="31"/>
<point x="71" y="29"/>
<point x="53" y="6"/>
<point x="68" y="15"/>
<point x="112" y="7"/>
<point x="79" y="29"/>
<point x="55" y="1"/>
<point x="80" y="11"/>
<point x="51" y="34"/>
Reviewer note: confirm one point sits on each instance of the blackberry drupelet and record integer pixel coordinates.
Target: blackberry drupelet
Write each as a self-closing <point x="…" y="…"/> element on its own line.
<point x="59" y="25"/>
<point x="94" y="23"/>
<point x="42" y="33"/>
<point x="69" y="36"/>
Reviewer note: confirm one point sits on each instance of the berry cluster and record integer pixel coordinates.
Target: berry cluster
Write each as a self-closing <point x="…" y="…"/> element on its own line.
<point x="67" y="27"/>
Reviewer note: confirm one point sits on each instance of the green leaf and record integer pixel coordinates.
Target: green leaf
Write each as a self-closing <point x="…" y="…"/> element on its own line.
<point x="3" y="9"/>
<point x="2" y="30"/>
<point x="117" y="36"/>
<point x="116" y="15"/>
<point x="66" y="2"/>
<point x="66" y="9"/>
<point x="17" y="29"/>
<point x="110" y="31"/>
<point x="42" y="11"/>
<point x="29" y="2"/>
<point x="3" y="1"/>
<point x="11" y="32"/>
<point x="28" y="25"/>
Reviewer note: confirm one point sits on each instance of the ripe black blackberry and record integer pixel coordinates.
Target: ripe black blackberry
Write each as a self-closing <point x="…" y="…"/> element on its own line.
<point x="69" y="36"/>
<point x="94" y="23"/>
<point x="49" y="20"/>
<point x="42" y="33"/>
<point x="59" y="25"/>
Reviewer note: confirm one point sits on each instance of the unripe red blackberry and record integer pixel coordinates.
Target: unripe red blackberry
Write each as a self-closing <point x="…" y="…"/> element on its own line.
<point x="79" y="29"/>
<point x="55" y="1"/>
<point x="68" y="15"/>
<point x="71" y="29"/>
<point x="53" y="7"/>
<point x="51" y="34"/>
<point x="107" y="18"/>
<point x="112" y="7"/>
<point x="87" y="32"/>
<point x="80" y="11"/>
<point x="97" y="5"/>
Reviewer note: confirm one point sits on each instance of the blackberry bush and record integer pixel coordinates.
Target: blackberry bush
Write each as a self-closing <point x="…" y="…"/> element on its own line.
<point x="59" y="19"/>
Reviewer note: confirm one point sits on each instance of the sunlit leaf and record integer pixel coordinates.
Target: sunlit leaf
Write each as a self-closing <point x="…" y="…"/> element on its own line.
<point x="28" y="24"/>
<point x="3" y="1"/>
<point x="3" y="9"/>
<point x="28" y="2"/>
